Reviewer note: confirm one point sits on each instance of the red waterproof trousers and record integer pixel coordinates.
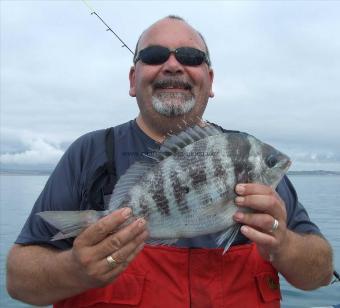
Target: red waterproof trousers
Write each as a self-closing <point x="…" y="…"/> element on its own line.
<point x="190" y="278"/>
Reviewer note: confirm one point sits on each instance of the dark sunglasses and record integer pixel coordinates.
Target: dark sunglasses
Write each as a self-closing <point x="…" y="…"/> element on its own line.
<point x="155" y="55"/>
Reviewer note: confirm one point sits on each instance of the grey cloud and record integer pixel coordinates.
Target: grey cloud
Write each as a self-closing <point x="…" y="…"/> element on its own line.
<point x="23" y="148"/>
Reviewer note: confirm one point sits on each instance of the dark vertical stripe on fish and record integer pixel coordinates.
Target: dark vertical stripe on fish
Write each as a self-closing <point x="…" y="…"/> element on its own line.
<point x="239" y="149"/>
<point x="198" y="172"/>
<point x="144" y="207"/>
<point x="158" y="194"/>
<point x="219" y="171"/>
<point x="224" y="190"/>
<point x="179" y="192"/>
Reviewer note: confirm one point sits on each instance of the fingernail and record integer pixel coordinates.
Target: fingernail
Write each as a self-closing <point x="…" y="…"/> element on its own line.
<point x="126" y="212"/>
<point x="239" y="200"/>
<point x="244" y="229"/>
<point x="238" y="216"/>
<point x="240" y="189"/>
<point x="141" y="222"/>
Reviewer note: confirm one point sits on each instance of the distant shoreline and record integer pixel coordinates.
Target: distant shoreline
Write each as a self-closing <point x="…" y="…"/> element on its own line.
<point x="25" y="172"/>
<point x="314" y="172"/>
<point x="48" y="172"/>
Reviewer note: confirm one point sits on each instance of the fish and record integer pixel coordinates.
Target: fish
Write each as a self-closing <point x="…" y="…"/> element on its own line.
<point x="187" y="188"/>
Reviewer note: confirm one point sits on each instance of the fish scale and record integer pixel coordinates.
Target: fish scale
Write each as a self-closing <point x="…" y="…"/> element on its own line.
<point x="197" y="197"/>
<point x="187" y="189"/>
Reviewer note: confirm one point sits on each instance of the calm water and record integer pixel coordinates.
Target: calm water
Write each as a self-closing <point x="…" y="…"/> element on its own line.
<point x="319" y="194"/>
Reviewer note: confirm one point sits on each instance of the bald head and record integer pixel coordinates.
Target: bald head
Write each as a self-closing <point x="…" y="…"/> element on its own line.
<point x="165" y="22"/>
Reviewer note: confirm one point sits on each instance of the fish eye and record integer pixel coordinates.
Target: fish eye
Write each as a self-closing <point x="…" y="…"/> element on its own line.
<point x="271" y="161"/>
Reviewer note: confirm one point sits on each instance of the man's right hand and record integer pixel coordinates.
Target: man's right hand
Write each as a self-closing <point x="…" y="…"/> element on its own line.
<point x="106" y="238"/>
<point x="42" y="275"/>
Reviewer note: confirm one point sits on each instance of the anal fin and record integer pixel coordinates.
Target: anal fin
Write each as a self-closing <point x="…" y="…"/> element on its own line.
<point x="229" y="234"/>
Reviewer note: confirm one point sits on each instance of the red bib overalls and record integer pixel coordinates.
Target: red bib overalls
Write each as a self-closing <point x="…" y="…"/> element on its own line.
<point x="169" y="277"/>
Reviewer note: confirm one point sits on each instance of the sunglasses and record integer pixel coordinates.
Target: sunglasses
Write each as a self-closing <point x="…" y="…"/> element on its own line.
<point x="189" y="56"/>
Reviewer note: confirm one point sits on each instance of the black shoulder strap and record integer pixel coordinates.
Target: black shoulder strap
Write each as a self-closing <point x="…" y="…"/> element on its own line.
<point x="109" y="144"/>
<point x="104" y="177"/>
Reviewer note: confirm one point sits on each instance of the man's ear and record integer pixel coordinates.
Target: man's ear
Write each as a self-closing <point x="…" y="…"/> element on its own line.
<point x="211" y="74"/>
<point x="132" y="78"/>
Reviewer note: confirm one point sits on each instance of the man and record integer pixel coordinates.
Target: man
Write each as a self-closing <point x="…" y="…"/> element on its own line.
<point x="106" y="267"/>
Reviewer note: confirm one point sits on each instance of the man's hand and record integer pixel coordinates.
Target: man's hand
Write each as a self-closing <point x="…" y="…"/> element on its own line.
<point x="305" y="260"/>
<point x="258" y="225"/>
<point x="100" y="240"/>
<point x="42" y="275"/>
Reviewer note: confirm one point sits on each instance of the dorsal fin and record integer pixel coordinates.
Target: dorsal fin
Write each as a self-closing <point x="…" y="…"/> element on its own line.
<point x="127" y="180"/>
<point x="175" y="143"/>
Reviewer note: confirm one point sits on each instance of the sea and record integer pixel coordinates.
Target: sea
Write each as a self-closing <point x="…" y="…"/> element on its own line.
<point x="320" y="194"/>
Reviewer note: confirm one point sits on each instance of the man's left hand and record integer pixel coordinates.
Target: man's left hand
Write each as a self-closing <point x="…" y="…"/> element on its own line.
<point x="259" y="225"/>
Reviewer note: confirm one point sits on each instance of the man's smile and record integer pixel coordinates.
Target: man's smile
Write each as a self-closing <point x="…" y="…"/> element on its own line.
<point x="172" y="85"/>
<point x="172" y="90"/>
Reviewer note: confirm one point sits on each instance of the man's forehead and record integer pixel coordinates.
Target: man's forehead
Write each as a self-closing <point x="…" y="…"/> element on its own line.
<point x="171" y="32"/>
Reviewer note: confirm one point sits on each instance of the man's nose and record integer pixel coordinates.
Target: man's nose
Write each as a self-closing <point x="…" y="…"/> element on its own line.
<point x="172" y="66"/>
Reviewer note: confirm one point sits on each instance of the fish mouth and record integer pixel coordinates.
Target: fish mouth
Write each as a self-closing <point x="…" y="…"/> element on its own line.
<point x="286" y="165"/>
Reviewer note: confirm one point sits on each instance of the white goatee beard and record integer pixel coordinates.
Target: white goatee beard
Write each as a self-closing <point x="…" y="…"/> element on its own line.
<point x="173" y="104"/>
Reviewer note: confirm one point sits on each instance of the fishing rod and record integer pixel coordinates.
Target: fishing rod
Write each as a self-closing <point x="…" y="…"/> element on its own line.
<point x="93" y="12"/>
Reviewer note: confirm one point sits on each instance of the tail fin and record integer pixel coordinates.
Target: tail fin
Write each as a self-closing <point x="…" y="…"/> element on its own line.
<point x="71" y="223"/>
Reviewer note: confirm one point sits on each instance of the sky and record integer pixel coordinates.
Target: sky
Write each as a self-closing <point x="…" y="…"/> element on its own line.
<point x="276" y="63"/>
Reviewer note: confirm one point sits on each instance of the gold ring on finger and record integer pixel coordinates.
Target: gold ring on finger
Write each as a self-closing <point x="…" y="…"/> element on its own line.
<point x="111" y="261"/>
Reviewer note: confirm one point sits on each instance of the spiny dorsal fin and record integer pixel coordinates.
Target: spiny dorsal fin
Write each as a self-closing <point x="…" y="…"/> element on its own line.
<point x="129" y="179"/>
<point x="175" y="143"/>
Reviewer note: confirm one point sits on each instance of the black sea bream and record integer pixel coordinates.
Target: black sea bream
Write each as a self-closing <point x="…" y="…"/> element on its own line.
<point x="187" y="188"/>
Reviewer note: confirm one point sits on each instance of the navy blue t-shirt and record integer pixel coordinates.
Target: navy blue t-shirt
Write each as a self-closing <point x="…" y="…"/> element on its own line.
<point x="66" y="187"/>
